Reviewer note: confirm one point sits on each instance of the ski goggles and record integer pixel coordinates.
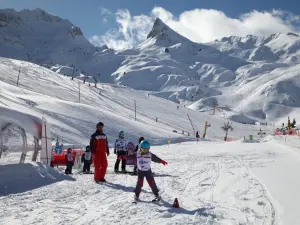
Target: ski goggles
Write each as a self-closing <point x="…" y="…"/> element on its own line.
<point x="144" y="150"/>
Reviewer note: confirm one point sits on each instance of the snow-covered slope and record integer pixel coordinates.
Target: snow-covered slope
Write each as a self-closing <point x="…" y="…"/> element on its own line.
<point x="262" y="91"/>
<point x="44" y="92"/>
<point x="268" y="87"/>
<point x="283" y="47"/>
<point x="215" y="183"/>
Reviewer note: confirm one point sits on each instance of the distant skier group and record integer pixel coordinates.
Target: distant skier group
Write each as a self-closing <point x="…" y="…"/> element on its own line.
<point x="127" y="154"/>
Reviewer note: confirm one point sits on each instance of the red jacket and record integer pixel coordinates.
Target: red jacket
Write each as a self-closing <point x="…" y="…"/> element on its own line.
<point x="99" y="143"/>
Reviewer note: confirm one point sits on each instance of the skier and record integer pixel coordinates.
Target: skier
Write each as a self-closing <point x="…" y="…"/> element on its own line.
<point x="131" y="157"/>
<point x="136" y="150"/>
<point x="86" y="159"/>
<point x="144" y="158"/>
<point x="100" y="149"/>
<point x="138" y="146"/>
<point x="197" y="135"/>
<point x="69" y="161"/>
<point x="121" y="152"/>
<point x="131" y="148"/>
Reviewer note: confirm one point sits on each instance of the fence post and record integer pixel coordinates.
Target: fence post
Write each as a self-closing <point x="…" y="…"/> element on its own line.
<point x="134" y="110"/>
<point x="18" y="77"/>
<point x="191" y="124"/>
<point x="79" y="92"/>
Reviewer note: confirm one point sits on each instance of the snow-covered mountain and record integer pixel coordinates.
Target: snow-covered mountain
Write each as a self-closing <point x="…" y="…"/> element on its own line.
<point x="174" y="66"/>
<point x="42" y="38"/>
<point x="252" y="77"/>
<point x="283" y="47"/>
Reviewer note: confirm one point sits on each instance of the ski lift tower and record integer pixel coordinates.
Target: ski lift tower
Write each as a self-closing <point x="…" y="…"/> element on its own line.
<point x="215" y="104"/>
<point x="206" y="125"/>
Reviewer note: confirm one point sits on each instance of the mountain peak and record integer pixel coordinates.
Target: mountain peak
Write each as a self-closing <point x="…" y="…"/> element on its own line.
<point x="158" y="28"/>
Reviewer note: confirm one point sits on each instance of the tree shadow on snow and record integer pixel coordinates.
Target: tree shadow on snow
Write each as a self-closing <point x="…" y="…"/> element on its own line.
<point x="18" y="178"/>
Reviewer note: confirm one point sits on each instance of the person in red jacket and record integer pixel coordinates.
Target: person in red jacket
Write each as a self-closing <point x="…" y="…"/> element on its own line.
<point x="100" y="149"/>
<point x="69" y="161"/>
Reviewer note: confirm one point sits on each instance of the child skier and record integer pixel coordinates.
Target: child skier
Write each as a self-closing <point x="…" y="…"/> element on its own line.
<point x="69" y="161"/>
<point x="136" y="149"/>
<point x="144" y="158"/>
<point x="86" y="158"/>
<point x="121" y="152"/>
<point x="131" y="157"/>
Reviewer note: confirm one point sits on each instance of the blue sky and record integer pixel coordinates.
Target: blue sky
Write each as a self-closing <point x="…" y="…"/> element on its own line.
<point x="98" y="18"/>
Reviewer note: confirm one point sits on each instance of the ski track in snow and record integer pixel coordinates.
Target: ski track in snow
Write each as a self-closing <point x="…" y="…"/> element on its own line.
<point x="213" y="186"/>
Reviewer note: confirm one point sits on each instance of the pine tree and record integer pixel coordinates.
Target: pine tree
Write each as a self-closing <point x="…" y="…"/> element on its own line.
<point x="226" y="128"/>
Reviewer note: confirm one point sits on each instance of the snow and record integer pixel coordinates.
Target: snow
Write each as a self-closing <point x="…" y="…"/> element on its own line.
<point x="44" y="92"/>
<point x="215" y="183"/>
<point x="166" y="64"/>
<point x="250" y="79"/>
<point x="282" y="47"/>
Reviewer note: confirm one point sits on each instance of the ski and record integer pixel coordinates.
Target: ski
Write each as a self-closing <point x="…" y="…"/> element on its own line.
<point x="155" y="200"/>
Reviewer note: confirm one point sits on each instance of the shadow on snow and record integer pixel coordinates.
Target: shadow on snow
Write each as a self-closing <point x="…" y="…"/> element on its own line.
<point x="200" y="211"/>
<point x="18" y="178"/>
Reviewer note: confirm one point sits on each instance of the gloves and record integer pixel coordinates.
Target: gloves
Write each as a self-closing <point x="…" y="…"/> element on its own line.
<point x="163" y="162"/>
<point x="107" y="154"/>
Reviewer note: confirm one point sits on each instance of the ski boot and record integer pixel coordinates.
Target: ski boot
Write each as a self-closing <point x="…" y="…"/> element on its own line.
<point x="156" y="199"/>
<point x="135" y="199"/>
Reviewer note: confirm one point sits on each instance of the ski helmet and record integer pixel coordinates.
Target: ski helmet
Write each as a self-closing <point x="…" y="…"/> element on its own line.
<point x="130" y="146"/>
<point x="88" y="148"/>
<point x="121" y="134"/>
<point x="145" y="144"/>
<point x="100" y="124"/>
<point x="141" y="139"/>
<point x="69" y="150"/>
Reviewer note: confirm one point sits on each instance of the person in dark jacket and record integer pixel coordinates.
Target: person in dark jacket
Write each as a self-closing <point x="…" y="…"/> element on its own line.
<point x="100" y="149"/>
<point x="121" y="152"/>
<point x="69" y="161"/>
<point x="138" y="146"/>
<point x="136" y="150"/>
<point x="197" y="135"/>
<point x="86" y="159"/>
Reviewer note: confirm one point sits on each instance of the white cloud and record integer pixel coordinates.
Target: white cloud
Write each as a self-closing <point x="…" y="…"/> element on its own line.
<point x="199" y="25"/>
<point x="105" y="13"/>
<point x="132" y="30"/>
<point x="163" y="14"/>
